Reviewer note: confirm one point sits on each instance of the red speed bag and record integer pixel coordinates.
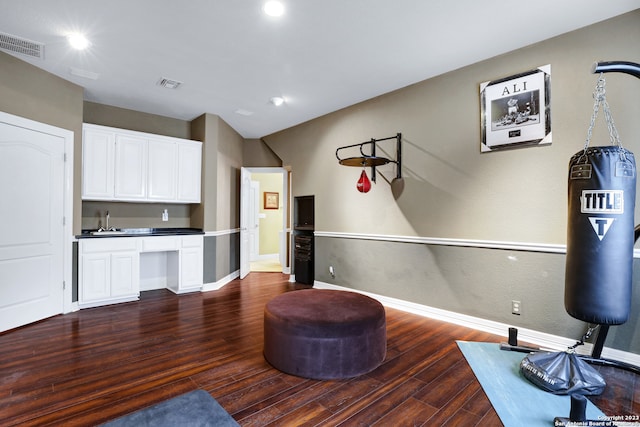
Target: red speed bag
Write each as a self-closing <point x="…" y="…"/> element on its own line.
<point x="363" y="185"/>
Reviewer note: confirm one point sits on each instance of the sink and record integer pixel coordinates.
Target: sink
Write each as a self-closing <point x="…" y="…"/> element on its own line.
<point x="140" y="232"/>
<point x="108" y="233"/>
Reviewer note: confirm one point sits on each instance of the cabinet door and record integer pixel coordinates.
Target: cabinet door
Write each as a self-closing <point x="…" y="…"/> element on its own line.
<point x="189" y="171"/>
<point x="191" y="266"/>
<point x="130" y="168"/>
<point x="95" y="277"/>
<point x="125" y="276"/>
<point x="191" y="262"/>
<point x="163" y="171"/>
<point x="97" y="164"/>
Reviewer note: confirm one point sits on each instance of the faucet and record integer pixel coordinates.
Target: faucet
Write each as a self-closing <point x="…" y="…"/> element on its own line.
<point x="107" y="228"/>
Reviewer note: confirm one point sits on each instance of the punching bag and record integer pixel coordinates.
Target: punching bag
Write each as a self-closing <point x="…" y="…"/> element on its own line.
<point x="600" y="235"/>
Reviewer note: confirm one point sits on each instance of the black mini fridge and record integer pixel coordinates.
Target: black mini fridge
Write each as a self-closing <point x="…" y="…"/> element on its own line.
<point x="303" y="227"/>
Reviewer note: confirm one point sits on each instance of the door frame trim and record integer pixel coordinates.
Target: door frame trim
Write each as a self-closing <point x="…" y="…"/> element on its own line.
<point x="286" y="206"/>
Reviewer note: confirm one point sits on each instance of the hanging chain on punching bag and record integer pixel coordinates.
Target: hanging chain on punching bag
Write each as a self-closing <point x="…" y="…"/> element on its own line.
<point x="600" y="98"/>
<point x="600" y="236"/>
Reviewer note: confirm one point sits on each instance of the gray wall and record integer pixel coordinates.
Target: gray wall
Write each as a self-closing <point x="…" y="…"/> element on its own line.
<point x="135" y="215"/>
<point x="221" y="162"/>
<point x="106" y="115"/>
<point x="255" y="153"/>
<point x="453" y="191"/>
<point x="221" y="256"/>
<point x="479" y="282"/>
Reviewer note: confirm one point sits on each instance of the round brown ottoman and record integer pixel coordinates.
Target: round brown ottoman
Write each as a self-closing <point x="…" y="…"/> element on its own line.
<point x="324" y="334"/>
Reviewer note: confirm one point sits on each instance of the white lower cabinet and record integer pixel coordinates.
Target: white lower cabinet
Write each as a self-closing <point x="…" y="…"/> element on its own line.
<point x="109" y="269"/>
<point x="125" y="274"/>
<point x="191" y="263"/>
<point x="95" y="278"/>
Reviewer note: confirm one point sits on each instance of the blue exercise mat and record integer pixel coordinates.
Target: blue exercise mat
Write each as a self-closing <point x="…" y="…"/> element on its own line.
<point x="193" y="409"/>
<point x="517" y="401"/>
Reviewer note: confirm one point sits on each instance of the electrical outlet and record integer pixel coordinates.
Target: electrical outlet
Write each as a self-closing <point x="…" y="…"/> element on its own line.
<point x="516" y="307"/>
<point x="165" y="215"/>
<point x="332" y="272"/>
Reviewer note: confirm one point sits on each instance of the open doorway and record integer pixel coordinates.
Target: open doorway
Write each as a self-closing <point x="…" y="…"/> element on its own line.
<point x="264" y="248"/>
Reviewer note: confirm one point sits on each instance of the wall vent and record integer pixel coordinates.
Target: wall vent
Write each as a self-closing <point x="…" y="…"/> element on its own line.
<point x="22" y="46"/>
<point x="169" y="83"/>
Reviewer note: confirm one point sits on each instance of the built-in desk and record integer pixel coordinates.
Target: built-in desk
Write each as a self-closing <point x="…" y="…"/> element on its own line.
<point x="115" y="269"/>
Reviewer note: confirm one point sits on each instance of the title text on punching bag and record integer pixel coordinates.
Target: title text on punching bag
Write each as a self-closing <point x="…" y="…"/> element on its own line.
<point x="602" y="201"/>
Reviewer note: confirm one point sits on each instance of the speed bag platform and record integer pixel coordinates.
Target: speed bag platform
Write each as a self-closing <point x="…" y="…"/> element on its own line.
<point x="600" y="235"/>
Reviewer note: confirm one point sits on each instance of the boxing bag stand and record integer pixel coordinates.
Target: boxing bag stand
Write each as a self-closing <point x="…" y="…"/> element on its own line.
<point x="614" y="309"/>
<point x="600" y="235"/>
<point x="600" y="240"/>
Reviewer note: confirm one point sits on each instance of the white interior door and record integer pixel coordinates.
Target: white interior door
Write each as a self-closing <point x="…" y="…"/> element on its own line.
<point x="254" y="221"/>
<point x="245" y="191"/>
<point x="32" y="211"/>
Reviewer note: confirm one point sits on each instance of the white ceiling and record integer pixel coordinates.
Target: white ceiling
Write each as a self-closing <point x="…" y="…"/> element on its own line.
<point x="321" y="56"/>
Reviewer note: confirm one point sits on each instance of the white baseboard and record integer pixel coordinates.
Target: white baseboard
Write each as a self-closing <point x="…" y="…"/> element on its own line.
<point x="185" y="291"/>
<point x="214" y="286"/>
<point x="541" y="339"/>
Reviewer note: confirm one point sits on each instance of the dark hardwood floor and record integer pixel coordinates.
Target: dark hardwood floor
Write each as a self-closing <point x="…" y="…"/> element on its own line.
<point x="94" y="365"/>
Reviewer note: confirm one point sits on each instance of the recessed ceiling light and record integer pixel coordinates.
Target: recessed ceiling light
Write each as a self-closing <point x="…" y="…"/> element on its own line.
<point x="273" y="8"/>
<point x="277" y="100"/>
<point x="78" y="41"/>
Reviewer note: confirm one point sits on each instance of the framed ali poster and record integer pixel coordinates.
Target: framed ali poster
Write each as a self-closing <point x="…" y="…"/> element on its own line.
<point x="515" y="111"/>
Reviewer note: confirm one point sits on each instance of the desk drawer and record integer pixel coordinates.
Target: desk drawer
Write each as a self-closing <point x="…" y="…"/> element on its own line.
<point x="192" y="241"/>
<point x="159" y="244"/>
<point x="108" y="244"/>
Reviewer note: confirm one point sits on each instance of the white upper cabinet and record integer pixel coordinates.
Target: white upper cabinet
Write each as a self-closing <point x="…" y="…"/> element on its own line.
<point x="163" y="169"/>
<point x="189" y="171"/>
<point x="124" y="165"/>
<point x="130" y="168"/>
<point x="98" y="150"/>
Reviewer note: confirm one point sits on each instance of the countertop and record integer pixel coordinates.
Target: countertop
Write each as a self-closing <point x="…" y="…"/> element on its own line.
<point x="140" y="232"/>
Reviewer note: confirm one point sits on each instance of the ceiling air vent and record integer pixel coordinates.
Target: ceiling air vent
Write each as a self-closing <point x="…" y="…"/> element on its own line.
<point x="169" y="83"/>
<point x="22" y="46"/>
